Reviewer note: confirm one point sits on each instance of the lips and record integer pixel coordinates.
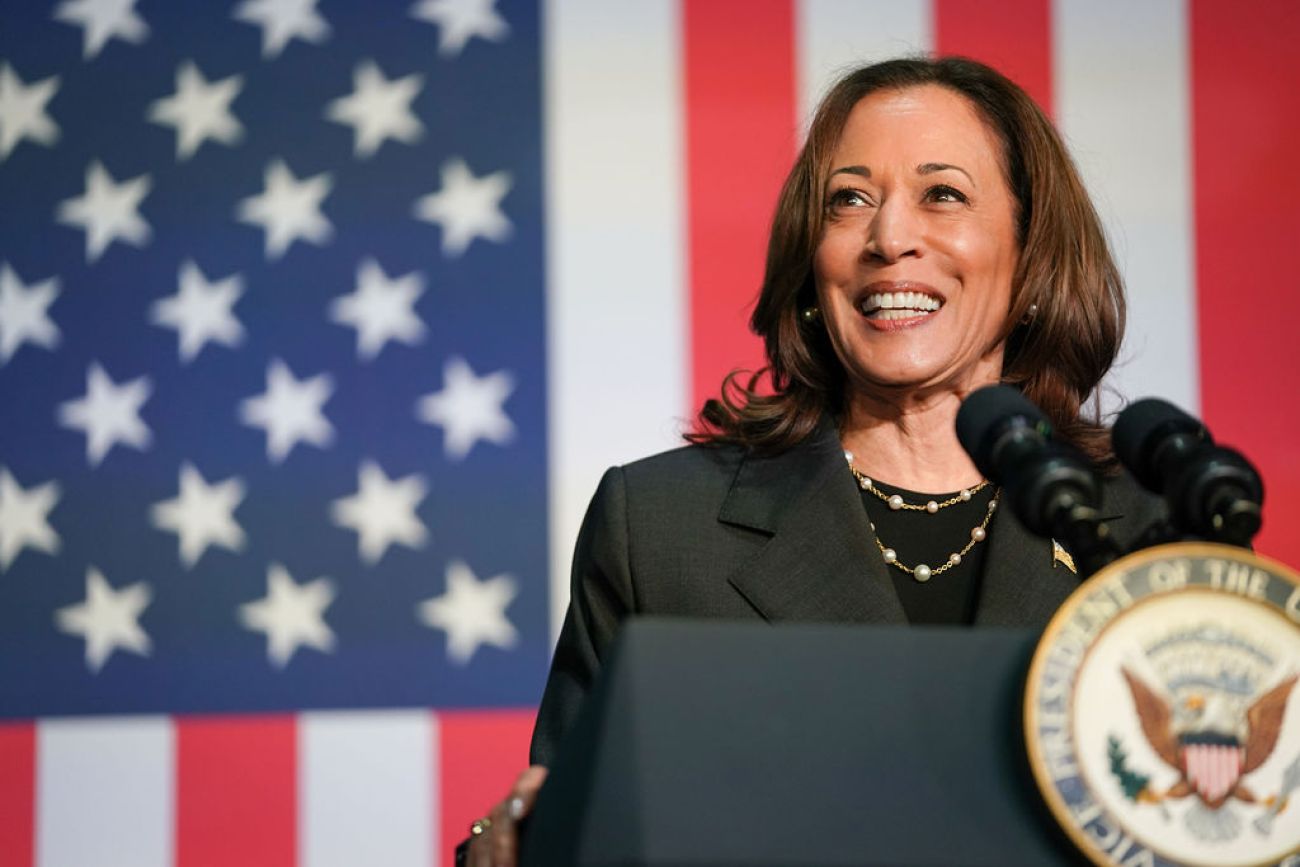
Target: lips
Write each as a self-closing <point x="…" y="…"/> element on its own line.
<point x="899" y="301"/>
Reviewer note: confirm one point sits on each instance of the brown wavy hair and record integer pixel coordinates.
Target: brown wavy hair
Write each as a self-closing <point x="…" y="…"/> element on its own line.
<point x="1056" y="358"/>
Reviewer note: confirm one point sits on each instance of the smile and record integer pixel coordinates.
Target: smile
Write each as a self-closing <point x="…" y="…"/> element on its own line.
<point x="899" y="305"/>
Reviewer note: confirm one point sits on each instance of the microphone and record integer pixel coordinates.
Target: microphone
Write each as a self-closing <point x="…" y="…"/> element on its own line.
<point x="1050" y="486"/>
<point x="1213" y="492"/>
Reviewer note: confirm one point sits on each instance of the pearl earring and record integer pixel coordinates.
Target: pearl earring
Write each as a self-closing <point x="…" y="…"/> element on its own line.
<point x="810" y="314"/>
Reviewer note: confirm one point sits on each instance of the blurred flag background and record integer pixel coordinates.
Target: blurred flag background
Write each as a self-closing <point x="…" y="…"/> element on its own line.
<point x="319" y="320"/>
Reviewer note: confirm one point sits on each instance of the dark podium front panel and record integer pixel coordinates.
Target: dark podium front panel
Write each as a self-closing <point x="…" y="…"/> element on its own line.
<point x="710" y="743"/>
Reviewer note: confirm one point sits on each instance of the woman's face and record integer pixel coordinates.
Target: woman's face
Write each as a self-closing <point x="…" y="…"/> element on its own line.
<point x="914" y="267"/>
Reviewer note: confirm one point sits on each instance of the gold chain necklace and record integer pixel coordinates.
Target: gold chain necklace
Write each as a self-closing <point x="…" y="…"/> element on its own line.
<point x="921" y="571"/>
<point x="896" y="501"/>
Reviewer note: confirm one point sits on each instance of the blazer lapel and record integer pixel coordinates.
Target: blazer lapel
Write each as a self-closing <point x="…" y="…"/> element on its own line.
<point x="1022" y="583"/>
<point x="820" y="562"/>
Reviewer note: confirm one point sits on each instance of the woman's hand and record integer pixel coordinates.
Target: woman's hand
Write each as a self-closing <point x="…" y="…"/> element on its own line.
<point x="495" y="842"/>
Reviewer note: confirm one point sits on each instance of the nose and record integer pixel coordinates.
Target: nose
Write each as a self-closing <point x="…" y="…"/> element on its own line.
<point x="894" y="232"/>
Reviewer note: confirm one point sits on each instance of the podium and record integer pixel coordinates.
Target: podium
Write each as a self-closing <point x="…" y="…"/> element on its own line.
<point x="709" y="743"/>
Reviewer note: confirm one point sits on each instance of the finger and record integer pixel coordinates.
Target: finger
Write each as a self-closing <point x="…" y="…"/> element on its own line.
<point x="479" y="853"/>
<point x="480" y="843"/>
<point x="498" y="846"/>
<point x="505" y="844"/>
<point x="501" y="837"/>
<point x="524" y="794"/>
<point x="504" y="841"/>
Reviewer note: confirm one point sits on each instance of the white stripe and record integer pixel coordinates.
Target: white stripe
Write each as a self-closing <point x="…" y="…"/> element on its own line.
<point x="833" y="36"/>
<point x="1122" y="102"/>
<point x="616" y="326"/>
<point x="439" y="855"/>
<point x="104" y="790"/>
<point x="366" y="782"/>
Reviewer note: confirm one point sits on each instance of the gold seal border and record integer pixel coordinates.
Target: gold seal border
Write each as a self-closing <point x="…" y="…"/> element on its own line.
<point x="1037" y="764"/>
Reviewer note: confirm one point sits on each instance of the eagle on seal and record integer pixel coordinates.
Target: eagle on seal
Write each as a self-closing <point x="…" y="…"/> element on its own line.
<point x="1209" y="740"/>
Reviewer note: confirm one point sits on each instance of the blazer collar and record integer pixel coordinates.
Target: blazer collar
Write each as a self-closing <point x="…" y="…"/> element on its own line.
<point x="820" y="562"/>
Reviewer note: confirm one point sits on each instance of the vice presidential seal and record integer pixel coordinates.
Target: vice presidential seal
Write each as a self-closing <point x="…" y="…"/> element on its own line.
<point x="1161" y="714"/>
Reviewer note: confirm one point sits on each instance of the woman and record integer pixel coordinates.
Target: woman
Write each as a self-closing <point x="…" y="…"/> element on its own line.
<point x="932" y="237"/>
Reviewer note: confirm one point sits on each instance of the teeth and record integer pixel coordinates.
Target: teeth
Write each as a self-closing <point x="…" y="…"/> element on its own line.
<point x="906" y="302"/>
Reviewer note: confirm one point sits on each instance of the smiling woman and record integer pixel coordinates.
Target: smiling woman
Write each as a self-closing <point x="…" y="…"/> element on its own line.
<point x="932" y="237"/>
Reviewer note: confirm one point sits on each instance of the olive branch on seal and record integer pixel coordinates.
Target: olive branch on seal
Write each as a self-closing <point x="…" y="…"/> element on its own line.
<point x="1133" y="784"/>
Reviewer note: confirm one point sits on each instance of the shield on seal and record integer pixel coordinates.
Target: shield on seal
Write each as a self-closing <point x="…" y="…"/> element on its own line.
<point x="1212" y="766"/>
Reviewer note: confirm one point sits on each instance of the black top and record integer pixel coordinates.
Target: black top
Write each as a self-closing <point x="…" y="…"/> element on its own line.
<point x="921" y="537"/>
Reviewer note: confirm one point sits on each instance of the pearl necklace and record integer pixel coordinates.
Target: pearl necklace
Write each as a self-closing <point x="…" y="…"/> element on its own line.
<point x="896" y="501"/>
<point x="922" y="572"/>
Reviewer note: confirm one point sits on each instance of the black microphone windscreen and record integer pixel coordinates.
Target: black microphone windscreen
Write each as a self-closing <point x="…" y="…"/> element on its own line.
<point x="1141" y="427"/>
<point x="982" y="417"/>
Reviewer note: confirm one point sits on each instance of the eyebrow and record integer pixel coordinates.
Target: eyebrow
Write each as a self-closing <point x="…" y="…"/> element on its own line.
<point x="930" y="168"/>
<point x="923" y="169"/>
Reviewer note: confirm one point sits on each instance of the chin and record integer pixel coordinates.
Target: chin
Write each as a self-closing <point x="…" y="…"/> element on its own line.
<point x="898" y="371"/>
<point x="917" y="377"/>
<point x="895" y="380"/>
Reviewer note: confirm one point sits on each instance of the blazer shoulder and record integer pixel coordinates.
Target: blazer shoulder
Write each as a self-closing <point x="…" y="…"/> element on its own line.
<point x="689" y="469"/>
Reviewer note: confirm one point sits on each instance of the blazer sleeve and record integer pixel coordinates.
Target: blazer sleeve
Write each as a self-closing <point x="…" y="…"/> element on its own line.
<point x="601" y="596"/>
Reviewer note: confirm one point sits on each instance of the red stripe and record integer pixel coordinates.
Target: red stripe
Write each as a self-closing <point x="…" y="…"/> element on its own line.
<point x="17" y="788"/>
<point x="740" y="138"/>
<point x="236" y="785"/>
<point x="1013" y="36"/>
<point x="480" y="753"/>
<point x="1245" y="122"/>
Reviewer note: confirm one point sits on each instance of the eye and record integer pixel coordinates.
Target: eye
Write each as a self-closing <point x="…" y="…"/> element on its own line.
<point x="945" y="193"/>
<point x="847" y="197"/>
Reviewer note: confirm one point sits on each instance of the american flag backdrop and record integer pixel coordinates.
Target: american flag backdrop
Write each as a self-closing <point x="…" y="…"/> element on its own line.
<point x="319" y="320"/>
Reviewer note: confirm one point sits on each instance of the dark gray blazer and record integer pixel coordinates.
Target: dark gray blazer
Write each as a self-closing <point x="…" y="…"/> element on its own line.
<point x="714" y="532"/>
